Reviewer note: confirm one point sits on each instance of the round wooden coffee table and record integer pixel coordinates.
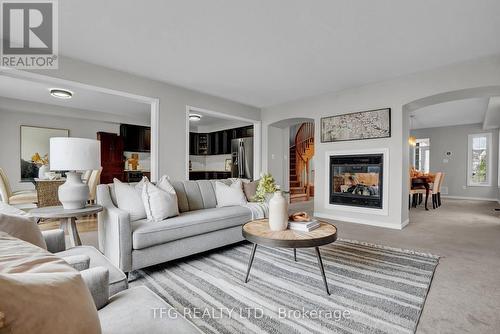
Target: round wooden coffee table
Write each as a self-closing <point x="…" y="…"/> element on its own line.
<point x="258" y="232"/>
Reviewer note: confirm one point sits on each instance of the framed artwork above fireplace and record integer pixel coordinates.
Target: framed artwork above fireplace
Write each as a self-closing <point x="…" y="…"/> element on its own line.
<point x="369" y="124"/>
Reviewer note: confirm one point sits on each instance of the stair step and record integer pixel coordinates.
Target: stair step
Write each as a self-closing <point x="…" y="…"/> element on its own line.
<point x="294" y="184"/>
<point x="297" y="191"/>
<point x="298" y="198"/>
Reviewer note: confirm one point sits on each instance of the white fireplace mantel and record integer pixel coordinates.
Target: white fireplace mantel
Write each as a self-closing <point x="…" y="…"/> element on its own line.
<point x="385" y="186"/>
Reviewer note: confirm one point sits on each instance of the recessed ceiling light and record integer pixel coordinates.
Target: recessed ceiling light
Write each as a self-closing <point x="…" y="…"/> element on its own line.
<point x="61" y="93"/>
<point x="194" y="117"/>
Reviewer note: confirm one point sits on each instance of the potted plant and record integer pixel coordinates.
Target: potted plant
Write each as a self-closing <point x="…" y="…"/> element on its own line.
<point x="266" y="188"/>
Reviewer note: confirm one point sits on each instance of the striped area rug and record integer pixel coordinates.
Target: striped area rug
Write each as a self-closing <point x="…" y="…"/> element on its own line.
<point x="374" y="289"/>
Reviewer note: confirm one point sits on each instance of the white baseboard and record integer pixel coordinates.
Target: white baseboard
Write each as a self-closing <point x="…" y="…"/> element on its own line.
<point x="361" y="221"/>
<point x="406" y="222"/>
<point x="473" y="198"/>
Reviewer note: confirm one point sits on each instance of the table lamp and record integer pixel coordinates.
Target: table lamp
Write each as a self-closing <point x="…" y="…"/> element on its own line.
<point x="74" y="155"/>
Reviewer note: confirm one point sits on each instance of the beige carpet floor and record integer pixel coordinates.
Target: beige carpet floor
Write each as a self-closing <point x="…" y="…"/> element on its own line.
<point x="465" y="293"/>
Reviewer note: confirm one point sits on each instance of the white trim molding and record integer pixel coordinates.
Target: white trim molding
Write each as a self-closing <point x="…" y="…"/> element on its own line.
<point x="361" y="221"/>
<point x="385" y="187"/>
<point x="472" y="198"/>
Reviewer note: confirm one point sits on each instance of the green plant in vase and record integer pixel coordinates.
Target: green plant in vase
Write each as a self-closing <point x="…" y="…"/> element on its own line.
<point x="266" y="186"/>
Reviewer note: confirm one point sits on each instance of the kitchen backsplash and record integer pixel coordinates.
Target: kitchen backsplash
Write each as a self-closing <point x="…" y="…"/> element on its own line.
<point x="144" y="160"/>
<point x="209" y="162"/>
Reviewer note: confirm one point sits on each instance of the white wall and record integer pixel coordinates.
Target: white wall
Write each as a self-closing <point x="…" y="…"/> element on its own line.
<point x="278" y="155"/>
<point x="172" y="103"/>
<point x="10" y="142"/>
<point x="394" y="94"/>
<point x="455" y="139"/>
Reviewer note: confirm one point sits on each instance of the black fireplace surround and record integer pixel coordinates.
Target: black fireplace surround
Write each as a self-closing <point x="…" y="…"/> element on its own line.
<point x="357" y="180"/>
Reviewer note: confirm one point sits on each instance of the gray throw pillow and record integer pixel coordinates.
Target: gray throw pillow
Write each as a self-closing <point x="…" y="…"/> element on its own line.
<point x="250" y="189"/>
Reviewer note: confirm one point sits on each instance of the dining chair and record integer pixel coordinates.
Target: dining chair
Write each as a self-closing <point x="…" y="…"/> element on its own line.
<point x="415" y="194"/>
<point x="435" y="190"/>
<point x="94" y="180"/>
<point x="86" y="176"/>
<point x="441" y="180"/>
<point x="17" y="197"/>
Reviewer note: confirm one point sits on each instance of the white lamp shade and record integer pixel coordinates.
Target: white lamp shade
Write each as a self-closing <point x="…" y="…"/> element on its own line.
<point x="74" y="154"/>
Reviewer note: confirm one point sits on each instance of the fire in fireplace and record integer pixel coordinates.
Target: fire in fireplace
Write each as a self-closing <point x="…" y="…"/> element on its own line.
<point x="356" y="180"/>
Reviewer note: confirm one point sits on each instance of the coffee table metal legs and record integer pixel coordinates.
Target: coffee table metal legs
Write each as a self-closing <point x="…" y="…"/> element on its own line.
<point x="250" y="261"/>
<point x="322" y="269"/>
<point x="318" y="255"/>
<point x="69" y="225"/>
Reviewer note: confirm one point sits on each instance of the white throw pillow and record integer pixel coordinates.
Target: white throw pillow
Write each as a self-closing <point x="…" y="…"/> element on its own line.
<point x="129" y="198"/>
<point x="229" y="195"/>
<point x="159" y="203"/>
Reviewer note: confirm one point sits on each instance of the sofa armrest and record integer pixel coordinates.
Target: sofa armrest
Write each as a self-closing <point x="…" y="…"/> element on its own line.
<point x="79" y="262"/>
<point x="114" y="231"/>
<point x="97" y="281"/>
<point x="54" y="240"/>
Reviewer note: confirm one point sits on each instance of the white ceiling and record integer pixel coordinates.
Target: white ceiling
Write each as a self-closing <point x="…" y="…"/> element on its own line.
<point x="469" y="111"/>
<point x="206" y="120"/>
<point x="28" y="90"/>
<point x="265" y="52"/>
<point x="210" y="123"/>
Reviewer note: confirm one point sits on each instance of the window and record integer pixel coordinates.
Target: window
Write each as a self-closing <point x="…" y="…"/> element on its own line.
<point x="479" y="157"/>
<point x="422" y="155"/>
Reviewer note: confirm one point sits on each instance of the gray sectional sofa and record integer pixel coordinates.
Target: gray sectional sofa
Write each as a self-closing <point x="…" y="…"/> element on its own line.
<point x="201" y="226"/>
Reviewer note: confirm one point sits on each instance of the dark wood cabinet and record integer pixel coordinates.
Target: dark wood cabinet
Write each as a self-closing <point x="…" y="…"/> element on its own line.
<point x="136" y="138"/>
<point x="216" y="142"/>
<point x="111" y="156"/>
<point x="207" y="175"/>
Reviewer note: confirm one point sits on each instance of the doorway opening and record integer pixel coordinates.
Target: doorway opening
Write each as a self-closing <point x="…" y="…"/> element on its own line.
<point x="290" y="159"/>
<point x="462" y="164"/>
<point x="221" y="146"/>
<point x="301" y="163"/>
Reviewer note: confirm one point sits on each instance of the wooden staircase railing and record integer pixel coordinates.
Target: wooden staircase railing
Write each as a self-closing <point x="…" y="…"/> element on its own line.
<point x="304" y="150"/>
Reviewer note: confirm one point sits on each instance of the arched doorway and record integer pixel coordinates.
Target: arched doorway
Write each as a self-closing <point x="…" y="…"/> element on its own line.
<point x="291" y="156"/>
<point x="434" y="102"/>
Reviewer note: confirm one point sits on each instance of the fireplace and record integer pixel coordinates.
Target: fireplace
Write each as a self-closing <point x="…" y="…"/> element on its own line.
<point x="356" y="180"/>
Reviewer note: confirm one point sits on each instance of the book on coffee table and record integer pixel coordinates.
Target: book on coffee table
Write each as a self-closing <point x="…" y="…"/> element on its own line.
<point x="303" y="226"/>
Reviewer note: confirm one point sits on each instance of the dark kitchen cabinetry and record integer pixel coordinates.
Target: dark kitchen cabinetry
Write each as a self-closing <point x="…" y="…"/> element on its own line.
<point x="136" y="138"/>
<point x="208" y="175"/>
<point x="216" y="142"/>
<point x="111" y="156"/>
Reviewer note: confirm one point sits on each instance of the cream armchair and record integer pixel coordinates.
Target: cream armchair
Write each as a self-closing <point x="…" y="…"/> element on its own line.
<point x="18" y="197"/>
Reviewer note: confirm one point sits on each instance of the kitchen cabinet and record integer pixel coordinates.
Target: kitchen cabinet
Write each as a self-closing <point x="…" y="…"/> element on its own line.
<point x="218" y="142"/>
<point x="136" y="138"/>
<point x="209" y="175"/>
<point x="111" y="156"/>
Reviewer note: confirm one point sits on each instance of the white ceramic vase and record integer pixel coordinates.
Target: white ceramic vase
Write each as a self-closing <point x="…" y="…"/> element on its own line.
<point x="73" y="194"/>
<point x="278" y="212"/>
<point x="42" y="170"/>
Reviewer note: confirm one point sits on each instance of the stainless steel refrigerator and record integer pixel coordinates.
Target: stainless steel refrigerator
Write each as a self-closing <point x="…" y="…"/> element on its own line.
<point x="242" y="155"/>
